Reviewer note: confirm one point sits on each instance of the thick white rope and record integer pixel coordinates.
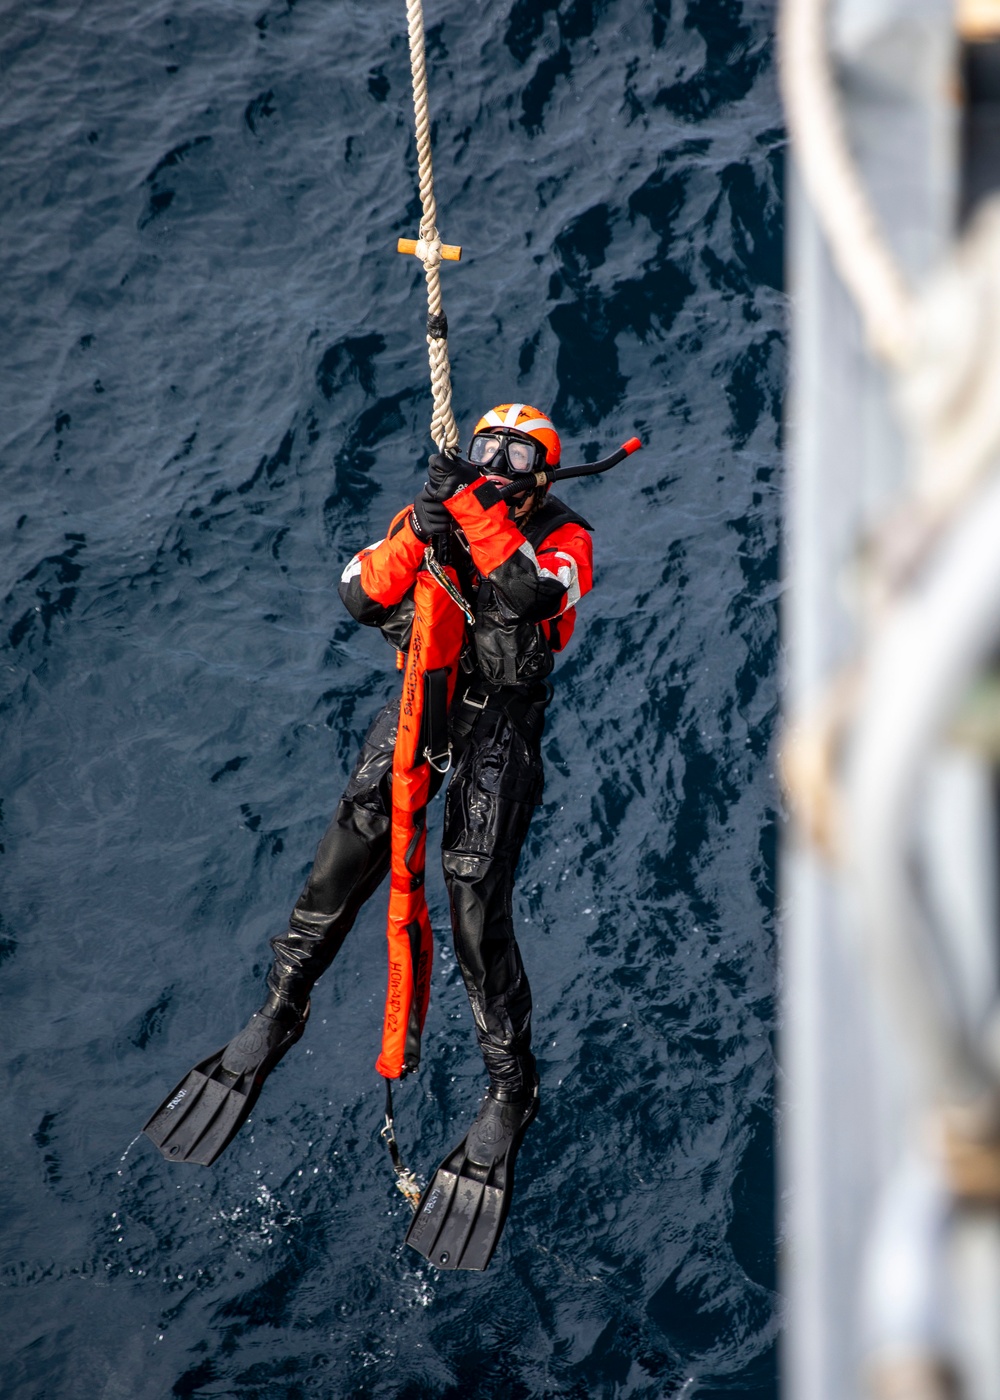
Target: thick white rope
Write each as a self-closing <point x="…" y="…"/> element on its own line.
<point x="444" y="429"/>
<point x="933" y="643"/>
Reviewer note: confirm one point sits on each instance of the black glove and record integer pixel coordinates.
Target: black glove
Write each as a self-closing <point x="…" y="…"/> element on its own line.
<point x="448" y="473"/>
<point x="430" y="516"/>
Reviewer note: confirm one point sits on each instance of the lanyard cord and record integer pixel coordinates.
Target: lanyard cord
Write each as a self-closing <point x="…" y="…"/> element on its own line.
<point x="406" y="1181"/>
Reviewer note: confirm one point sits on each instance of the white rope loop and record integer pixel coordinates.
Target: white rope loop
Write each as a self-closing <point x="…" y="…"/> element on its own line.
<point x="444" y="429"/>
<point x="859" y="250"/>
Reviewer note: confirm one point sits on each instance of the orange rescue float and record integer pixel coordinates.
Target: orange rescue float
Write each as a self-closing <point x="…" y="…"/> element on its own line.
<point x="431" y="670"/>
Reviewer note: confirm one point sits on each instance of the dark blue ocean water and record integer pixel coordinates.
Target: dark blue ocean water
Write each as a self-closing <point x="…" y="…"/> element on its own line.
<point x="214" y="390"/>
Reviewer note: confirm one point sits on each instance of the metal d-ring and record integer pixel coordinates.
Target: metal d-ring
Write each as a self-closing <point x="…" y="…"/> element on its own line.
<point x="436" y="766"/>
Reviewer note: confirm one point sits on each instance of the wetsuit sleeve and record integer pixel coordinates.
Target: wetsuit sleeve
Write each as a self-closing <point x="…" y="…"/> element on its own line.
<point x="378" y="578"/>
<point x="534" y="587"/>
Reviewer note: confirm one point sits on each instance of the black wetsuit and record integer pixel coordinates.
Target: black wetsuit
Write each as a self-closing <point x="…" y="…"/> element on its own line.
<point x="495" y="783"/>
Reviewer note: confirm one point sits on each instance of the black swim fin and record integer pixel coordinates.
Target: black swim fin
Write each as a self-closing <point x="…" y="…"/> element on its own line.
<point x="463" y="1210"/>
<point x="200" y="1117"/>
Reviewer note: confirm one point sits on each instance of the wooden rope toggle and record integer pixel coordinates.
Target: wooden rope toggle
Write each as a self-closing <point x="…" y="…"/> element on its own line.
<point x="450" y="252"/>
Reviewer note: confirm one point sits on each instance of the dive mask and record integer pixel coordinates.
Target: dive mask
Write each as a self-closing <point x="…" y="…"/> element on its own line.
<point x="506" y="454"/>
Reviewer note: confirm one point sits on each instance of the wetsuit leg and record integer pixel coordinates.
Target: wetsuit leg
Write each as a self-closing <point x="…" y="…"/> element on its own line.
<point x="496" y="784"/>
<point x="351" y="861"/>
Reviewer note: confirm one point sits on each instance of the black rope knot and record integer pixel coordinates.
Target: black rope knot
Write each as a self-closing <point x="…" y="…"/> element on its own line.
<point x="437" y="326"/>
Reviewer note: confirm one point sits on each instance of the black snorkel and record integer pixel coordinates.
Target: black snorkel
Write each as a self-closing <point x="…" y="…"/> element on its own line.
<point x="529" y="481"/>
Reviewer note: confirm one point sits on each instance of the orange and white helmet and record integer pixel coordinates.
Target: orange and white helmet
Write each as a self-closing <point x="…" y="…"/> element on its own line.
<point x="522" y="419"/>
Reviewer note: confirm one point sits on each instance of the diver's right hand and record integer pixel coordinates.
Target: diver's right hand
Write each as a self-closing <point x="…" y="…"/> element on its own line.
<point x="430" y="515"/>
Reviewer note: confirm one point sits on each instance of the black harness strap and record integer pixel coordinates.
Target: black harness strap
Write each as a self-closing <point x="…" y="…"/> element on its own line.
<point x="524" y="706"/>
<point x="434" y="744"/>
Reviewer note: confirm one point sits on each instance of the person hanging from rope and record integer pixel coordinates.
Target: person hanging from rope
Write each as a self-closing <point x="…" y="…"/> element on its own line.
<point x="522" y="564"/>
